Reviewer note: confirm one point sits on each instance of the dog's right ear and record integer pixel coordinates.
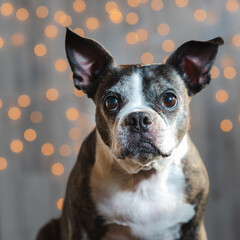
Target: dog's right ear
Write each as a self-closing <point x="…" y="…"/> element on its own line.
<point x="88" y="59"/>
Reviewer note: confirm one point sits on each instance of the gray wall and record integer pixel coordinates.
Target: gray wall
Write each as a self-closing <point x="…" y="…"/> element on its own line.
<point x="28" y="189"/>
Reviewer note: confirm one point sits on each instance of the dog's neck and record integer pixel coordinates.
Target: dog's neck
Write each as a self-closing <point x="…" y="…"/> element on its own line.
<point x="106" y="165"/>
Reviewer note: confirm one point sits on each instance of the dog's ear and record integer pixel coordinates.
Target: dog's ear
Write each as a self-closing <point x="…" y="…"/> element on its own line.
<point x="193" y="61"/>
<point x="88" y="59"/>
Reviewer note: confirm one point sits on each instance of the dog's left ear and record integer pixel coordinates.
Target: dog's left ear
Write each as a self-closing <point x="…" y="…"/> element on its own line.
<point x="88" y="59"/>
<point x="193" y="61"/>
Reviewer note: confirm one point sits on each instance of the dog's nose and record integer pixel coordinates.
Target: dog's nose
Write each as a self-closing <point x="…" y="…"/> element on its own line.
<point x="139" y="121"/>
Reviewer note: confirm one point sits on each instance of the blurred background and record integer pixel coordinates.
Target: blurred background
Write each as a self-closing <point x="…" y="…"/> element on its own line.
<point x="43" y="119"/>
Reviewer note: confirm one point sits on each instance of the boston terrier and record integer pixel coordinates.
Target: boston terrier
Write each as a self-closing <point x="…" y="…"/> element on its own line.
<point x="138" y="175"/>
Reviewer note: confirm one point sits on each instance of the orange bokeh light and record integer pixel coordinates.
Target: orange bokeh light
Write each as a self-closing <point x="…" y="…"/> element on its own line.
<point x="40" y="50"/>
<point x="6" y="9"/>
<point x="17" y="39"/>
<point x="181" y="3"/>
<point x="200" y="15"/>
<point x="78" y="93"/>
<point x="60" y="203"/>
<point x="168" y="45"/>
<point x="24" y="101"/>
<point x="221" y="96"/>
<point x="65" y="150"/>
<point x="36" y="117"/>
<point x="142" y="35"/>
<point x="65" y="20"/>
<point x="47" y="149"/>
<point x="132" y="38"/>
<point x="147" y="58"/>
<point x="215" y="72"/>
<point x="157" y="5"/>
<point x="74" y="133"/>
<point x="57" y="169"/>
<point x="72" y="114"/>
<point x="115" y="16"/>
<point x="111" y="5"/>
<point x="1" y="103"/>
<point x="58" y="15"/>
<point x="52" y="94"/>
<point x="3" y="163"/>
<point x="79" y="31"/>
<point x="232" y="5"/>
<point x="79" y="6"/>
<point x="1" y="42"/>
<point x="226" y="125"/>
<point x="61" y="65"/>
<point x="133" y="3"/>
<point x="14" y="113"/>
<point x="92" y="23"/>
<point x="163" y="29"/>
<point x="22" y="14"/>
<point x="30" y="135"/>
<point x="42" y="12"/>
<point x="16" y="146"/>
<point x="132" y="18"/>
<point x="51" y="31"/>
<point x="229" y="72"/>
<point x="236" y="40"/>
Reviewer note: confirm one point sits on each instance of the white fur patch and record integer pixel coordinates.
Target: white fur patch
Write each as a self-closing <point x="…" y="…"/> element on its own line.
<point x="155" y="208"/>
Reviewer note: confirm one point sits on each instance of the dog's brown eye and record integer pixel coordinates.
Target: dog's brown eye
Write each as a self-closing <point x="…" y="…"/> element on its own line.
<point x="112" y="103"/>
<point x="169" y="100"/>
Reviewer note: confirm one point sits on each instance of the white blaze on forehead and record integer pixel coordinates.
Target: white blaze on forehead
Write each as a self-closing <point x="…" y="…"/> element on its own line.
<point x="136" y="100"/>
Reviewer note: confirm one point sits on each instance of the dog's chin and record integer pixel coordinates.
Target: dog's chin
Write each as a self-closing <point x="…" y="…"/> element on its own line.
<point x="141" y="157"/>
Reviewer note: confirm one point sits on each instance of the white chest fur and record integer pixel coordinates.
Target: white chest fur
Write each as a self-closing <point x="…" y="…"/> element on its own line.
<point x="154" y="209"/>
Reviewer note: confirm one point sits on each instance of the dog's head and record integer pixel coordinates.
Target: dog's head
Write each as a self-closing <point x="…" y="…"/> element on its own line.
<point x="142" y="111"/>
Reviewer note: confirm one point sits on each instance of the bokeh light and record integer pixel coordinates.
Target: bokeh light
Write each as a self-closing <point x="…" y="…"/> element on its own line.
<point x="79" y="6"/>
<point x="72" y="114"/>
<point x="42" y="12"/>
<point x="132" y="18"/>
<point x="157" y="5"/>
<point x="226" y="125"/>
<point x="24" y="101"/>
<point x="236" y="40"/>
<point x="132" y="38"/>
<point x="221" y="96"/>
<point x="79" y="31"/>
<point x="168" y="45"/>
<point x="65" y="150"/>
<point x="111" y="5"/>
<point x="60" y="203"/>
<point x="40" y="50"/>
<point x="232" y="5"/>
<point x="30" y="135"/>
<point x="16" y="146"/>
<point x="181" y="3"/>
<point x="215" y="72"/>
<point x="52" y="94"/>
<point x="47" y="149"/>
<point x="3" y="163"/>
<point x="36" y="117"/>
<point x="14" y="113"/>
<point x="61" y="65"/>
<point x="74" y="133"/>
<point x="229" y="72"/>
<point x="65" y="20"/>
<point x="92" y="23"/>
<point x="163" y="29"/>
<point x="147" y="58"/>
<point x="1" y="42"/>
<point x="51" y="31"/>
<point x="57" y="169"/>
<point x="142" y="34"/>
<point x="200" y="15"/>
<point x="133" y="3"/>
<point x="17" y="39"/>
<point x="1" y="103"/>
<point x="115" y="16"/>
<point x="58" y="15"/>
<point x="78" y="93"/>
<point x="6" y="9"/>
<point x="22" y="14"/>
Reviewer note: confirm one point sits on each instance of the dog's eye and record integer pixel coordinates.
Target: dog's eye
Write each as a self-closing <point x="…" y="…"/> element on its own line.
<point x="169" y="100"/>
<point x="112" y="103"/>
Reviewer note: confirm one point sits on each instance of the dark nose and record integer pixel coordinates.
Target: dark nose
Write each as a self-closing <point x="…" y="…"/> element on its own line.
<point x="139" y="121"/>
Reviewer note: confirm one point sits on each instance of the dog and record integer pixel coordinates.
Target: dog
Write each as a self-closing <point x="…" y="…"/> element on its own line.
<point x="138" y="175"/>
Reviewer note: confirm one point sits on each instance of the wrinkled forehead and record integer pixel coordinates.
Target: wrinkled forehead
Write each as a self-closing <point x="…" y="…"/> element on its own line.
<point x="130" y="81"/>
